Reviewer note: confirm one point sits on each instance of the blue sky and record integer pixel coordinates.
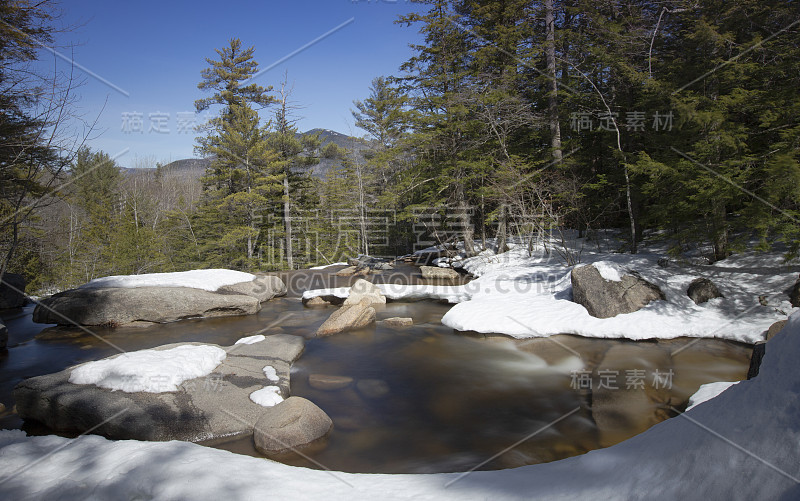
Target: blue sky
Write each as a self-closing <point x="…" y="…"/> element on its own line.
<point x="154" y="52"/>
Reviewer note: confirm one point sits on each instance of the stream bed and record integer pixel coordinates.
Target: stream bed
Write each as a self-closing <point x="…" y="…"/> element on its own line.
<point x="424" y="398"/>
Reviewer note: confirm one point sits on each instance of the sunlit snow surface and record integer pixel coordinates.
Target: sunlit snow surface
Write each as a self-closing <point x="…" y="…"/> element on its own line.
<point x="209" y="280"/>
<point x="251" y="339"/>
<point x="267" y="396"/>
<point x="528" y="296"/>
<point x="152" y="371"/>
<point x="708" y="391"/>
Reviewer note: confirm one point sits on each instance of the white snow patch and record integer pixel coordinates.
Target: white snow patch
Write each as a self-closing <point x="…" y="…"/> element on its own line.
<point x="267" y="396"/>
<point x="609" y="270"/>
<point x="271" y="373"/>
<point x="209" y="280"/>
<point x="251" y="339"/>
<point x="323" y="266"/>
<point x="152" y="371"/>
<point x="708" y="391"/>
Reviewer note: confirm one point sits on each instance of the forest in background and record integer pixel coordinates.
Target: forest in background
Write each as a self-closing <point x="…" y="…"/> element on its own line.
<point x="672" y="119"/>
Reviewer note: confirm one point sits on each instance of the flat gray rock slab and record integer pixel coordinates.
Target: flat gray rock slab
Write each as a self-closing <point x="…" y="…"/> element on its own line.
<point x="204" y="408"/>
<point x="263" y="288"/>
<point x="119" y="306"/>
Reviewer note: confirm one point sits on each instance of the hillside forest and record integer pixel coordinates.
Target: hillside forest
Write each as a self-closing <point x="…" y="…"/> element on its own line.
<point x="533" y="120"/>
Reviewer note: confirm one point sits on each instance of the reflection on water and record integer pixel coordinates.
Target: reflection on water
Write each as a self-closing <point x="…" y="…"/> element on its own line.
<point x="422" y="398"/>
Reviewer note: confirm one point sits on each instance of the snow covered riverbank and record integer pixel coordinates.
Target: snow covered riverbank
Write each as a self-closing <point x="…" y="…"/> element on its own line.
<point x="525" y="297"/>
<point x="739" y="445"/>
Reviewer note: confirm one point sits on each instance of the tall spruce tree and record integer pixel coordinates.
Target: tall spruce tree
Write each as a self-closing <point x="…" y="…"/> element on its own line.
<point x="241" y="175"/>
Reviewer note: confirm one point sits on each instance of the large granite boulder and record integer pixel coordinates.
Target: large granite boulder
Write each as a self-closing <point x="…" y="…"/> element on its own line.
<point x="293" y="423"/>
<point x="363" y="290"/>
<point x="118" y="305"/>
<point x="208" y="407"/>
<point x="775" y="329"/>
<point x="348" y="317"/>
<point x="435" y="272"/>
<point x="702" y="289"/>
<point x="3" y="336"/>
<point x="608" y="298"/>
<point x="12" y="291"/>
<point x="263" y="288"/>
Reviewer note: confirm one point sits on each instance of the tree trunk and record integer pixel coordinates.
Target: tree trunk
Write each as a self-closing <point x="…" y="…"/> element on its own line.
<point x="463" y="216"/>
<point x="287" y="221"/>
<point x="502" y="231"/>
<point x="634" y="243"/>
<point x="552" y="99"/>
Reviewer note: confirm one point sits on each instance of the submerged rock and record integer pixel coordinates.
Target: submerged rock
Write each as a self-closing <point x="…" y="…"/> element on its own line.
<point x="435" y="272"/>
<point x="327" y="382"/>
<point x="3" y="336"/>
<point x="12" y="291"/>
<point x="608" y="298"/>
<point x="372" y="388"/>
<point x="203" y="408"/>
<point x="118" y="305"/>
<point x="295" y="422"/>
<point x="702" y="289"/>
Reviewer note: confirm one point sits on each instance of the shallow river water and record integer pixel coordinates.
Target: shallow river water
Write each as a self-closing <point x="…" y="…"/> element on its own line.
<point x="424" y="398"/>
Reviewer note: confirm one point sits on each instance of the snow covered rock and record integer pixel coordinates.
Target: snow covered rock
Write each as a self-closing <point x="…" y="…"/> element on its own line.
<point x="293" y="423"/>
<point x="435" y="272"/>
<point x="348" y="317"/>
<point x="214" y="405"/>
<point x="604" y="298"/>
<point x="363" y="290"/>
<point x="12" y="291"/>
<point x="118" y="306"/>
<point x="160" y="298"/>
<point x="702" y="289"/>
